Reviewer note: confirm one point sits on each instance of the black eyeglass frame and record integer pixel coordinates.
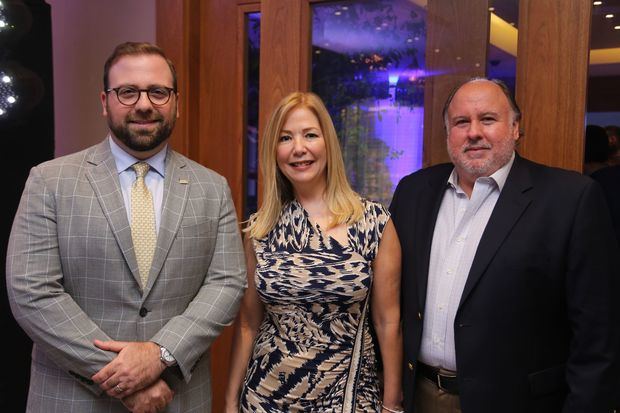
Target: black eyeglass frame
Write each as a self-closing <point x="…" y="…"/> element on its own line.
<point x="170" y="90"/>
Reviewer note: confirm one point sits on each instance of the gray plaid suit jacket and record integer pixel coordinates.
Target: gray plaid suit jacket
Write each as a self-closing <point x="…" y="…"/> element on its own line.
<point x="72" y="277"/>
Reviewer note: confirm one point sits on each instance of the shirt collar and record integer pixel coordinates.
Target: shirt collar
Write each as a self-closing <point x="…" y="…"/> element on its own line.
<point x="499" y="177"/>
<point x="124" y="160"/>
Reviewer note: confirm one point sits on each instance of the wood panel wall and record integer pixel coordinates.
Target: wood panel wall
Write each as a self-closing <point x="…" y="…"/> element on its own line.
<point x="169" y="14"/>
<point x="552" y="71"/>
<point x="456" y="49"/>
<point x="284" y="53"/>
<point x="221" y="126"/>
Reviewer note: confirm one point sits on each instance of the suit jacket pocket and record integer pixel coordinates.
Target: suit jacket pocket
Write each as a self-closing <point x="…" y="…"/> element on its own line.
<point x="201" y="228"/>
<point x="547" y="381"/>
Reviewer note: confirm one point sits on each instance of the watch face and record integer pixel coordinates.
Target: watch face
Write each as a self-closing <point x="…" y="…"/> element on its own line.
<point x="166" y="356"/>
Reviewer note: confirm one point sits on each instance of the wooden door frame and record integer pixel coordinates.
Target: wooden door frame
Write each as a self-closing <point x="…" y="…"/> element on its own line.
<point x="552" y="78"/>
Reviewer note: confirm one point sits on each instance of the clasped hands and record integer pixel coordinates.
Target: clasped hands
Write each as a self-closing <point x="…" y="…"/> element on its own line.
<point x="133" y="376"/>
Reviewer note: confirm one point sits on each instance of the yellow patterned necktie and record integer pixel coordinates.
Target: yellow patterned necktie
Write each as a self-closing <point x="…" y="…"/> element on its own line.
<point x="143" y="232"/>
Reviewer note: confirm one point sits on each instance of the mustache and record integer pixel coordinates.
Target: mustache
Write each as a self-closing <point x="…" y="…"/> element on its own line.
<point x="149" y="117"/>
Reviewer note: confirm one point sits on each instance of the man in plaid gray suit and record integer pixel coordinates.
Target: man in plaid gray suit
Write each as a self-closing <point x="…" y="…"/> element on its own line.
<point x="107" y="336"/>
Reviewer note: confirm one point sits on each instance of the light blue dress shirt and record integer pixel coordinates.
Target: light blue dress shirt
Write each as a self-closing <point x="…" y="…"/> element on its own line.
<point x="460" y="224"/>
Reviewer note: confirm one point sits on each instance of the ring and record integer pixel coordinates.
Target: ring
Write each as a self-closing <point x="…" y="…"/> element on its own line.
<point x="118" y="389"/>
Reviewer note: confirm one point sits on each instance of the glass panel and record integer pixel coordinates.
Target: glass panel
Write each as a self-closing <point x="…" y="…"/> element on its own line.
<point x="503" y="35"/>
<point x="368" y="66"/>
<point x="602" y="145"/>
<point x="251" y="140"/>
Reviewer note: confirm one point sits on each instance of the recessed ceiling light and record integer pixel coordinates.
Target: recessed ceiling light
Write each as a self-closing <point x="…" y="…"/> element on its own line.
<point x="491" y="8"/>
<point x="597" y="3"/>
<point x="609" y="16"/>
<point x="616" y="27"/>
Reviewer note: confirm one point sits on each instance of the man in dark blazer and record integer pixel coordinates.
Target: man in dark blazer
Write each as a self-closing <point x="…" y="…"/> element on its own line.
<point x="508" y="274"/>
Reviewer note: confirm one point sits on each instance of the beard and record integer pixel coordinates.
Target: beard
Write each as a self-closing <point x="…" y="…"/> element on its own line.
<point x="142" y="139"/>
<point x="499" y="156"/>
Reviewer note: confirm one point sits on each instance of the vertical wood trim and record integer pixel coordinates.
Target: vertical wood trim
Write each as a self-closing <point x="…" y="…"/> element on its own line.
<point x="552" y="71"/>
<point x="280" y="53"/>
<point x="456" y="50"/>
<point x="170" y="34"/>
<point x="305" y="51"/>
<point x="285" y="53"/>
<point x="221" y="134"/>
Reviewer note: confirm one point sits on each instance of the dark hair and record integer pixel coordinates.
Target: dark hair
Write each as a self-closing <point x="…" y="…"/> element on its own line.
<point x="134" y="49"/>
<point x="516" y="111"/>
<point x="597" y="144"/>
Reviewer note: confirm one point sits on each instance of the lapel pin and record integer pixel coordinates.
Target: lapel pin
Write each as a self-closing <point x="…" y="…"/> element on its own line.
<point x="183" y="181"/>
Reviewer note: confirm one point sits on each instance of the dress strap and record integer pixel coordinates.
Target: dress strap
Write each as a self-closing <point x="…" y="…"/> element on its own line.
<point x="350" y="390"/>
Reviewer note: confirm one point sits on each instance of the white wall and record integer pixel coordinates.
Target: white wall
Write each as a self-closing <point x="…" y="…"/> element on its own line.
<point x="84" y="33"/>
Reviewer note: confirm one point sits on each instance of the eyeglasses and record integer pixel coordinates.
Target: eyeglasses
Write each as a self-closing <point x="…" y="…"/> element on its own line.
<point x="129" y="96"/>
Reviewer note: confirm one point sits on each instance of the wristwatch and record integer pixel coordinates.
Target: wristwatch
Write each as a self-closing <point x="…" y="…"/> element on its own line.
<point x="166" y="357"/>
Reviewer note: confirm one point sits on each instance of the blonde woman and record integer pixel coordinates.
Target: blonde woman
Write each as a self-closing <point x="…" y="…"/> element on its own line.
<point x="319" y="259"/>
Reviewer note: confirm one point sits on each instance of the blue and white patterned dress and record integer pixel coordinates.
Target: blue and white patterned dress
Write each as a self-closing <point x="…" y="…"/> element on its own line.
<point x="314" y="351"/>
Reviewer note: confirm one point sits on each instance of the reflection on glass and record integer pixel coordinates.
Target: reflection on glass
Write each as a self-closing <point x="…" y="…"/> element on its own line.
<point x="251" y="144"/>
<point x="503" y="34"/>
<point x="368" y="66"/>
<point x="603" y="105"/>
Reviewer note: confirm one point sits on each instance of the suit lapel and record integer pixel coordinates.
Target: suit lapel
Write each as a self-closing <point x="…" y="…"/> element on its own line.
<point x="512" y="203"/>
<point x="103" y="178"/>
<point x="425" y="220"/>
<point x="176" y="192"/>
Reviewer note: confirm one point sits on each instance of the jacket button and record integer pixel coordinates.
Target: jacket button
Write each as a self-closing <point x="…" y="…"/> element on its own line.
<point x="410" y="365"/>
<point x="143" y="312"/>
<point x="419" y="316"/>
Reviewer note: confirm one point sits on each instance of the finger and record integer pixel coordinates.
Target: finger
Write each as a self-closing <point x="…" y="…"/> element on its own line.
<point x="103" y="375"/>
<point x="117" y="383"/>
<point x="117" y="392"/>
<point x="109" y="378"/>
<point x="111" y="386"/>
<point x="111" y="345"/>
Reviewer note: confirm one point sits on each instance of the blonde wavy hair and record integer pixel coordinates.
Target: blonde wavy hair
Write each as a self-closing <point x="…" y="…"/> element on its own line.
<point x="343" y="202"/>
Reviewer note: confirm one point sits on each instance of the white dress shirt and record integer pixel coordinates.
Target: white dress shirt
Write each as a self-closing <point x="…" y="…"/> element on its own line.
<point x="154" y="179"/>
<point x="459" y="227"/>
